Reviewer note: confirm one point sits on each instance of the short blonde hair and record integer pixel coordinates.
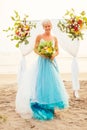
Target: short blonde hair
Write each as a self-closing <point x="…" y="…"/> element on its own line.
<point x="46" y="21"/>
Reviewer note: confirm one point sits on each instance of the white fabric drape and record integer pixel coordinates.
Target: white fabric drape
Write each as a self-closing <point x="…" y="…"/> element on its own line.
<point x="72" y="47"/>
<point x="21" y="71"/>
<point x="75" y="73"/>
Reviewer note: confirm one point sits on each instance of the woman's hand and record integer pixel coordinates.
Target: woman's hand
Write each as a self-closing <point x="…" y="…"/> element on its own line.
<point x="36" y="51"/>
<point x="52" y="57"/>
<point x="44" y="56"/>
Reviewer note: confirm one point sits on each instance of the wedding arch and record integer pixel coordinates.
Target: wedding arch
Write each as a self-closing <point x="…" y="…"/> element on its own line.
<point x="73" y="26"/>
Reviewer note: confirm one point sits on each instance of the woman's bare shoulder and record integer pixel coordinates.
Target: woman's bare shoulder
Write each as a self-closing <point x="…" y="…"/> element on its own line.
<point x="39" y="36"/>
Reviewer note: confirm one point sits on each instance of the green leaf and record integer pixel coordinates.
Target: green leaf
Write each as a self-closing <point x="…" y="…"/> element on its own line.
<point x="12" y="18"/>
<point x="26" y="41"/>
<point x="83" y="13"/>
<point x="16" y="38"/>
<point x="17" y="45"/>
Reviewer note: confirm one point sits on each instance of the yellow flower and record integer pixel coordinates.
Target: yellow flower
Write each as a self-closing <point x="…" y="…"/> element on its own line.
<point x="49" y="49"/>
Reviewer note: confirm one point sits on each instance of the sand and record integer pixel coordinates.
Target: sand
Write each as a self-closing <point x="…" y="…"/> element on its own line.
<point x="73" y="118"/>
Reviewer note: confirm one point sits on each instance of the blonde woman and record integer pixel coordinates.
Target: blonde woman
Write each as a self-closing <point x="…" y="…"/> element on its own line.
<point x="50" y="91"/>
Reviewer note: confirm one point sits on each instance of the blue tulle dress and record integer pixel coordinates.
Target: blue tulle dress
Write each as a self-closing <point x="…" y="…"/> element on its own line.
<point x="50" y="92"/>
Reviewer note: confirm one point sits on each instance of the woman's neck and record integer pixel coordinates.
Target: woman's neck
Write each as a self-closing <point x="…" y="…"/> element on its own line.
<point x="47" y="34"/>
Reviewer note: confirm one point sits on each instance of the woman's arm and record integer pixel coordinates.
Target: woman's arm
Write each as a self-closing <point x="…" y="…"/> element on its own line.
<point x="37" y="41"/>
<point x="56" y="49"/>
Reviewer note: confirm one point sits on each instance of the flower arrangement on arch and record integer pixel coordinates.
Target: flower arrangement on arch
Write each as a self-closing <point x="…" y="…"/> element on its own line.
<point x="73" y="24"/>
<point x="20" y="31"/>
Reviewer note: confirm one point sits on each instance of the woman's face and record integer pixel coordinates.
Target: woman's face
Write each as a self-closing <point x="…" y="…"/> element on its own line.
<point x="47" y="27"/>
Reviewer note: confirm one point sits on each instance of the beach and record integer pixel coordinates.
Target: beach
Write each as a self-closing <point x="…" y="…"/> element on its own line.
<point x="73" y="118"/>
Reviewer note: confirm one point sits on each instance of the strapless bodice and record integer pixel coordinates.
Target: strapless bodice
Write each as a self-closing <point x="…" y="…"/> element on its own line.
<point x="42" y="40"/>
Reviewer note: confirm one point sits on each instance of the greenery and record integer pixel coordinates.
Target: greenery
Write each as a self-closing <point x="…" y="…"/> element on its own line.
<point x="46" y="48"/>
<point x="73" y="24"/>
<point x="20" y="31"/>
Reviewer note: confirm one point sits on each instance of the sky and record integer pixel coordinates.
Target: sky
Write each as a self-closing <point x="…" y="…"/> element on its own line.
<point x="37" y="10"/>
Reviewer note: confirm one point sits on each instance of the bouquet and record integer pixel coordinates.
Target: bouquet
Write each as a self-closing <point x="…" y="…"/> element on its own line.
<point x="46" y="48"/>
<point x="73" y="24"/>
<point x="20" y="31"/>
